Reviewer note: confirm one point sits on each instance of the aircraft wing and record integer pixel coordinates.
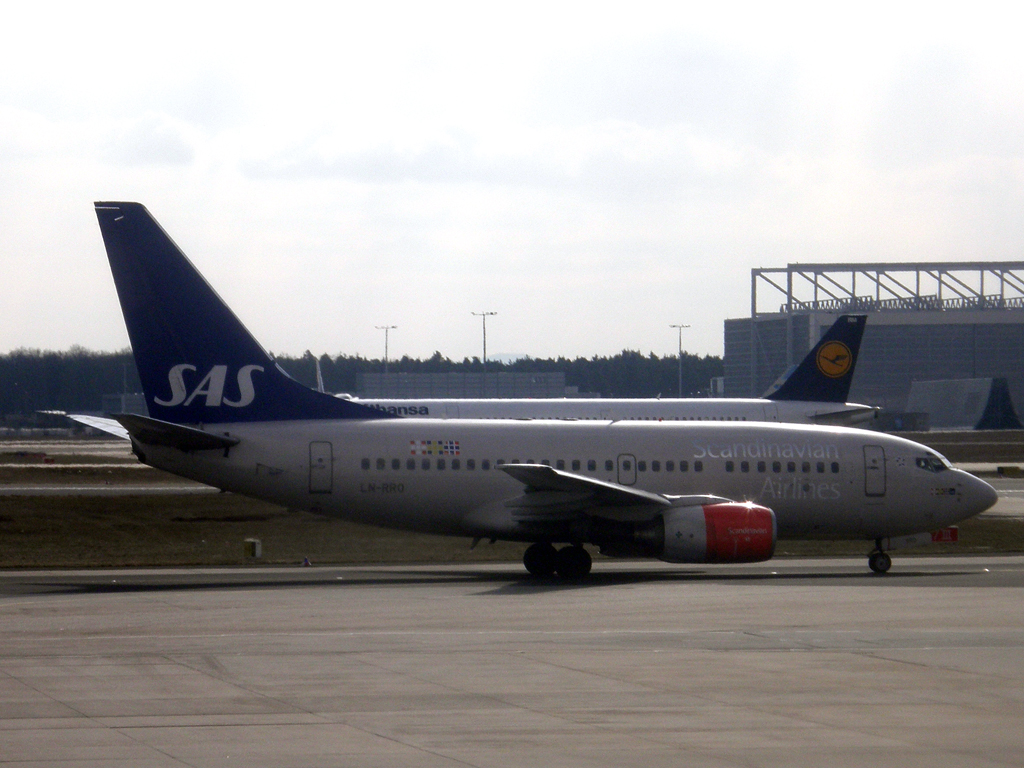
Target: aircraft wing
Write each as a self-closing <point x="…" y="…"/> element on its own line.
<point x="552" y="495"/>
<point x="541" y="478"/>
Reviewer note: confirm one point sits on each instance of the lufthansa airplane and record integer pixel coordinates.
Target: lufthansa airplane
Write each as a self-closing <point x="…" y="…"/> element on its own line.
<point x="223" y="413"/>
<point x="815" y="393"/>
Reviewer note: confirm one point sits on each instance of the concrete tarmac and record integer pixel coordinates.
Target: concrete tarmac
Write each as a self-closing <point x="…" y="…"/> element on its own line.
<point x="785" y="663"/>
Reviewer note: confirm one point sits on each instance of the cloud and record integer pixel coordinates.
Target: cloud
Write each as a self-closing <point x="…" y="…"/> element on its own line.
<point x="742" y="99"/>
<point x="941" y="108"/>
<point x="612" y="158"/>
<point x="153" y="139"/>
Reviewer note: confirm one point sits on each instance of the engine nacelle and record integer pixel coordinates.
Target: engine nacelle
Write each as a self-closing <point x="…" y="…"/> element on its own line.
<point x="727" y="532"/>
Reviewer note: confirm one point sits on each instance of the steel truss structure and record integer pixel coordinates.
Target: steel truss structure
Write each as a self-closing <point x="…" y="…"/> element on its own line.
<point x="879" y="287"/>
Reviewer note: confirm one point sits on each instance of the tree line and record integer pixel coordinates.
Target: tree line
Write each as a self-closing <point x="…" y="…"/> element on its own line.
<point x="76" y="380"/>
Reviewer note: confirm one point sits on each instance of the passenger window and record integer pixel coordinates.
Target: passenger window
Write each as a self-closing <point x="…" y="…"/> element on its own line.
<point x="381" y="463"/>
<point x="499" y="462"/>
<point x="791" y="466"/>
<point x="440" y="463"/>
<point x="684" y="466"/>
<point x="425" y="463"/>
<point x="835" y="467"/>
<point x="729" y="466"/>
<point x="456" y="463"/>
<point x="626" y="465"/>
<point x="591" y="465"/>
<point x="485" y="464"/>
<point x="670" y="466"/>
<point x="641" y="466"/>
<point x="761" y="466"/>
<point x="470" y="463"/>
<point x="744" y="466"/>
<point x="609" y="465"/>
<point x="575" y="465"/>
<point x="545" y="462"/>
<point x="776" y="466"/>
<point x="560" y="464"/>
<point x="655" y="466"/>
<point x="396" y="463"/>
<point x="698" y="466"/>
<point x="365" y="463"/>
<point x="806" y="467"/>
<point x="820" y="467"/>
<point x="410" y="463"/>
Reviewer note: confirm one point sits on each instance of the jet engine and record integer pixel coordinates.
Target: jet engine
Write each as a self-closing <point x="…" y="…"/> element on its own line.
<point x="726" y="532"/>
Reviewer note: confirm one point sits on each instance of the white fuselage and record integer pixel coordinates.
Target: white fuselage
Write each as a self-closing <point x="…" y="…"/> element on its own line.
<point x="630" y="409"/>
<point x="440" y="476"/>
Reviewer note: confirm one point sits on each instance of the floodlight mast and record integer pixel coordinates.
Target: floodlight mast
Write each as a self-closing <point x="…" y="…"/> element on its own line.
<point x="680" y="326"/>
<point x="386" y="329"/>
<point x="483" y="316"/>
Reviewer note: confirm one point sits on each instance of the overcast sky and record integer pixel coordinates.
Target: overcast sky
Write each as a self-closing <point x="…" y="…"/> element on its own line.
<point x="591" y="172"/>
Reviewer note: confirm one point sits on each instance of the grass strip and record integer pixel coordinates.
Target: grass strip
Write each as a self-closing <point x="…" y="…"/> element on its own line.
<point x="178" y="530"/>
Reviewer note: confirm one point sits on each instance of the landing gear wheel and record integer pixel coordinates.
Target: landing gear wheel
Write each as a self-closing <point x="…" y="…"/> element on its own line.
<point x="539" y="559"/>
<point x="573" y="563"/>
<point x="879" y="562"/>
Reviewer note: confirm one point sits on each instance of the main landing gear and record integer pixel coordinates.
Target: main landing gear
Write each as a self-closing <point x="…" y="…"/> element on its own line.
<point x="879" y="561"/>
<point x="570" y="563"/>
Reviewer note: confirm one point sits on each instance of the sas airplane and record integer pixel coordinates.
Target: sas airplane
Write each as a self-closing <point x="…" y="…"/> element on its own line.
<point x="815" y="393"/>
<point x="223" y="413"/>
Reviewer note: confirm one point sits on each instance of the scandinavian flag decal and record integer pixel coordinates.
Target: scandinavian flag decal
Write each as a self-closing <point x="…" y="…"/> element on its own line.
<point x="434" y="447"/>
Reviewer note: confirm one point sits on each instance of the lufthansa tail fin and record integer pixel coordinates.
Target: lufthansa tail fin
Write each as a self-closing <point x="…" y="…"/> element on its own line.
<point x="197" y="362"/>
<point x="826" y="372"/>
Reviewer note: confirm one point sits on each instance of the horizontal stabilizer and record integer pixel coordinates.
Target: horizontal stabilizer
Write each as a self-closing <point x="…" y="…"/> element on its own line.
<point x="846" y="417"/>
<point x="103" y="424"/>
<point x="154" y="432"/>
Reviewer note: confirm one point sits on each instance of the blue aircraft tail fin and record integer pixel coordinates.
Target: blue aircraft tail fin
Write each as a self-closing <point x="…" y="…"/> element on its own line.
<point x="826" y="373"/>
<point x="197" y="362"/>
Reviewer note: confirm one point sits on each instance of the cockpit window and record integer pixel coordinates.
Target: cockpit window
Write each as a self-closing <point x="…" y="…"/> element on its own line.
<point x="932" y="463"/>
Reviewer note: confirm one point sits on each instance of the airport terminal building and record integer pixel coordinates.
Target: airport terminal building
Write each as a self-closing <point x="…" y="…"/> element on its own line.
<point x="927" y="321"/>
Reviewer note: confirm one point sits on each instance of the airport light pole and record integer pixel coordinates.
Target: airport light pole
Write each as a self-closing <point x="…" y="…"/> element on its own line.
<point x="386" y="329"/>
<point x="483" y="316"/>
<point x="680" y="327"/>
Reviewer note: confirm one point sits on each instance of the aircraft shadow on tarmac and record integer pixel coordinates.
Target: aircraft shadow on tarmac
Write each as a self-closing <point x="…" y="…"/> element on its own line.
<point x="494" y="582"/>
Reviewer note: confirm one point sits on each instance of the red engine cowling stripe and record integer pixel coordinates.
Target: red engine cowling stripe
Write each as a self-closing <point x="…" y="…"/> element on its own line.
<point x="739" y="533"/>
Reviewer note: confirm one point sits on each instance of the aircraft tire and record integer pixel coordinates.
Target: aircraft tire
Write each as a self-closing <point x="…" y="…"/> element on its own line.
<point x="573" y="563"/>
<point x="539" y="559"/>
<point x="879" y="562"/>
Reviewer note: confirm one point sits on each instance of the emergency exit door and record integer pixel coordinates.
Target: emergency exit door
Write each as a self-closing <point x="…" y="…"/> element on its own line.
<point x="874" y="470"/>
<point x="627" y="469"/>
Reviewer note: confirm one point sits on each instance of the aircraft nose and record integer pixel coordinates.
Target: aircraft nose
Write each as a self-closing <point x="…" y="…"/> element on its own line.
<point x="980" y="495"/>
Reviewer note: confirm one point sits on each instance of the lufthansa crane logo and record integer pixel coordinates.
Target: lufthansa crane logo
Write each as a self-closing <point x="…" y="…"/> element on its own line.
<point x="834" y="359"/>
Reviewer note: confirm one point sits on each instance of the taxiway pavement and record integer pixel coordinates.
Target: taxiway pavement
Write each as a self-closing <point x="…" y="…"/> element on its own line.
<point x="785" y="663"/>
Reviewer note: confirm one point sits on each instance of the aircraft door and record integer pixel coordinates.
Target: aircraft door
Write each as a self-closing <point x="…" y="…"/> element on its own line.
<point x="321" y="468"/>
<point x="874" y="470"/>
<point x="627" y="469"/>
<point x="771" y="412"/>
